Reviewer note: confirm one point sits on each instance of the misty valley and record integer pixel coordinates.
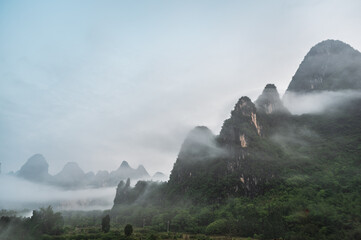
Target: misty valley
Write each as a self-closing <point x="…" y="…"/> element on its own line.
<point x="280" y="168"/>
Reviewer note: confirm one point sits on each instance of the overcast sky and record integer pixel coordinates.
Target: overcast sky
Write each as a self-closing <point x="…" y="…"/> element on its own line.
<point x="99" y="82"/>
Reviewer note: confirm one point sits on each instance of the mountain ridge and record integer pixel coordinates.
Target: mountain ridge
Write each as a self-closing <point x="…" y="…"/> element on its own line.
<point x="329" y="65"/>
<point x="71" y="176"/>
<point x="276" y="175"/>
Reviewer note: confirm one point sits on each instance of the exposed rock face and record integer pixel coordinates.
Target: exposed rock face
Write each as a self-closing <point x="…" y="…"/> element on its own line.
<point x="243" y="163"/>
<point x="330" y="65"/>
<point x="251" y="145"/>
<point x="243" y="123"/>
<point x="35" y="169"/>
<point x="269" y="101"/>
<point x="244" y="138"/>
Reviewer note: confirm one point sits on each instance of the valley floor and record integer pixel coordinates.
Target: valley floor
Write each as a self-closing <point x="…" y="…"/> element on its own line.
<point x="139" y="234"/>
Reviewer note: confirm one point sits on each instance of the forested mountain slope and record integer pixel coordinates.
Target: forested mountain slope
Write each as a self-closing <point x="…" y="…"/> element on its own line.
<point x="269" y="173"/>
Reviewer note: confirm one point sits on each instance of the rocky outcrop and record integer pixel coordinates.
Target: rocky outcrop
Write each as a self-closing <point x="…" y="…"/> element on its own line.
<point x="246" y="158"/>
<point x="243" y="163"/>
<point x="243" y="125"/>
<point x="269" y="101"/>
<point x="330" y="65"/>
<point x="244" y="136"/>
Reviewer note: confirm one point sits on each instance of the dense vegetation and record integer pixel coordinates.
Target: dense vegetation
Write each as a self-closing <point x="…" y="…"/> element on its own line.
<point x="316" y="193"/>
<point x="42" y="222"/>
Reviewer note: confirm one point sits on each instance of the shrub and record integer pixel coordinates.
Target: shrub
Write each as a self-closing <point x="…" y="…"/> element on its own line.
<point x="128" y="230"/>
<point x="217" y="227"/>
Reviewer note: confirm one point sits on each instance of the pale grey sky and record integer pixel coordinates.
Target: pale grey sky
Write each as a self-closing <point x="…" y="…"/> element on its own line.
<point x="99" y="82"/>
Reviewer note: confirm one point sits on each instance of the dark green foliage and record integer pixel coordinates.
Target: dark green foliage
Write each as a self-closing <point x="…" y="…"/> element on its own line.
<point x="82" y="219"/>
<point x="46" y="221"/>
<point x="153" y="237"/>
<point x="183" y="221"/>
<point x="4" y="221"/>
<point x="106" y="223"/>
<point x="309" y="176"/>
<point x="128" y="230"/>
<point x="43" y="222"/>
<point x="219" y="226"/>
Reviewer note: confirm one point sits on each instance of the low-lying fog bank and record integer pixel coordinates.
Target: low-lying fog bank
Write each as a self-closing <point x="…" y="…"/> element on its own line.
<point x="318" y="102"/>
<point x="18" y="194"/>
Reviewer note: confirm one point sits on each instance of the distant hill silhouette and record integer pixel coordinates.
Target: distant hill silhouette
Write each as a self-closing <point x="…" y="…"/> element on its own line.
<point x="73" y="177"/>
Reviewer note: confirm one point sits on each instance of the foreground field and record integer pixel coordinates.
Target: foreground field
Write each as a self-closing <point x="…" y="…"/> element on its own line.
<point x="139" y="234"/>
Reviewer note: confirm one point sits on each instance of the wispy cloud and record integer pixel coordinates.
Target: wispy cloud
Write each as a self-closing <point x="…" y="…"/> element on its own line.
<point x="102" y="82"/>
<point x="318" y="102"/>
<point x="21" y="194"/>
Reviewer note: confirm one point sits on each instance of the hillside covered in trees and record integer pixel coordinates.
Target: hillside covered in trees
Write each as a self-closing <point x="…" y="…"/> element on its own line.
<point x="269" y="173"/>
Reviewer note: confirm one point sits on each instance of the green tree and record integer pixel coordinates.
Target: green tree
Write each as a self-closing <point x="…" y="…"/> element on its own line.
<point x="128" y="230"/>
<point x="217" y="227"/>
<point x="106" y="223"/>
<point x="183" y="221"/>
<point x="46" y="221"/>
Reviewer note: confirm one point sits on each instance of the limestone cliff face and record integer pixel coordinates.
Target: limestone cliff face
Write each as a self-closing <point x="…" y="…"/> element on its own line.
<point x="244" y="136"/>
<point x="247" y="157"/>
<point x="243" y="124"/>
<point x="269" y="101"/>
<point x="239" y="158"/>
<point x="330" y="65"/>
